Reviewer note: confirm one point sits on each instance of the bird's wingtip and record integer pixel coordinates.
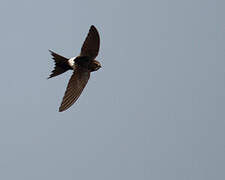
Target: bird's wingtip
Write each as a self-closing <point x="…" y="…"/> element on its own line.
<point x="60" y="109"/>
<point x="93" y="27"/>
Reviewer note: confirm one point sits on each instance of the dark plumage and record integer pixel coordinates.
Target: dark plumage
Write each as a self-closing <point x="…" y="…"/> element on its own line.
<point x="82" y="65"/>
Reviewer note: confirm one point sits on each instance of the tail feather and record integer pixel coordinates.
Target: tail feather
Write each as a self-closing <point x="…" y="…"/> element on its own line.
<point x="61" y="64"/>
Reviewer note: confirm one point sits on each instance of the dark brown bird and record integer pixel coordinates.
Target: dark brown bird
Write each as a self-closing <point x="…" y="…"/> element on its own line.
<point x="81" y="65"/>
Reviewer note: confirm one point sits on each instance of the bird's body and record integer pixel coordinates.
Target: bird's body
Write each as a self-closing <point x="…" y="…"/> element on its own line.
<point x="82" y="66"/>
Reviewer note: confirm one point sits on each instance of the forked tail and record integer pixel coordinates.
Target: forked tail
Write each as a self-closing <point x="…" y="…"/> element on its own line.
<point x="61" y="64"/>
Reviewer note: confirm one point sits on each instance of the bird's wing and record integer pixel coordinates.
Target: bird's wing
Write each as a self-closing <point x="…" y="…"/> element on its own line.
<point x="75" y="87"/>
<point x="91" y="44"/>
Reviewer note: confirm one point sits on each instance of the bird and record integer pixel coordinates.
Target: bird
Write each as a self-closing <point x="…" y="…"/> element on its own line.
<point x="81" y="65"/>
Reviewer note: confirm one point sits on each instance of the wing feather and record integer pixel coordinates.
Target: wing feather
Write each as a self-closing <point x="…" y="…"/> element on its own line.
<point x="74" y="88"/>
<point x="91" y="44"/>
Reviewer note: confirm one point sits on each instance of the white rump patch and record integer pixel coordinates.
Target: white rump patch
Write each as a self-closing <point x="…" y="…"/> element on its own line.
<point x="71" y="62"/>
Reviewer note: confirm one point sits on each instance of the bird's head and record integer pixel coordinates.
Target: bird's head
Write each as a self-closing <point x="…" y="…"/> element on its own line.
<point x="95" y="65"/>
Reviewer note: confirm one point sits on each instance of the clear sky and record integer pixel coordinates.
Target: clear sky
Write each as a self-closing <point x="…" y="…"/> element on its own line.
<point x="154" y="111"/>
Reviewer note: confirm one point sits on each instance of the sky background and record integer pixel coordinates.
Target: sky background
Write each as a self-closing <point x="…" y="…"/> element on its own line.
<point x="154" y="111"/>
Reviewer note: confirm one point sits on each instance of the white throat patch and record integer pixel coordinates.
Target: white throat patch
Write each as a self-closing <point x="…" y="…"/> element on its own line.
<point x="71" y="62"/>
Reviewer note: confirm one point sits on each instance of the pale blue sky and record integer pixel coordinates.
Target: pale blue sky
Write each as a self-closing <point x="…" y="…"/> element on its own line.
<point x="154" y="111"/>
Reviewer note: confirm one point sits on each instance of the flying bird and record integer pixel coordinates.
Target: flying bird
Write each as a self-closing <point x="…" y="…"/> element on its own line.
<point x="81" y="65"/>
